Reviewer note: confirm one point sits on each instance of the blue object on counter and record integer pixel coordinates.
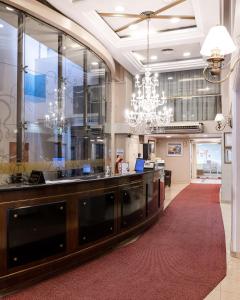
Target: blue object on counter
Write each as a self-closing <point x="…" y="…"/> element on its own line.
<point x="139" y="165"/>
<point x="86" y="169"/>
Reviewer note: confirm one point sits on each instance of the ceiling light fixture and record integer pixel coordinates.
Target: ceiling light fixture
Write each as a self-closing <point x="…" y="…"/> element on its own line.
<point x="186" y="54"/>
<point x="217" y="44"/>
<point x="119" y="9"/>
<point x="175" y="20"/>
<point x="1" y="25"/>
<point x="145" y="114"/>
<point x="154" y="57"/>
<point x="222" y="121"/>
<point x="170" y="78"/>
<point x="9" y="8"/>
<point x="94" y="63"/>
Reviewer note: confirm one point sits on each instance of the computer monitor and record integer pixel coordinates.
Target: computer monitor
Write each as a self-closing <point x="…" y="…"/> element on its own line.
<point x="86" y="169"/>
<point x="139" y="165"/>
<point x="58" y="162"/>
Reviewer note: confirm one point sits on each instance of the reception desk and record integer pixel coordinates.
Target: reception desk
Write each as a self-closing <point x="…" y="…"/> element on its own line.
<point x="48" y="228"/>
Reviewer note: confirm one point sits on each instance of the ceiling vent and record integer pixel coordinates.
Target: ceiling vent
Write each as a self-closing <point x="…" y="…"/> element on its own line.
<point x="181" y="129"/>
<point x="167" y="51"/>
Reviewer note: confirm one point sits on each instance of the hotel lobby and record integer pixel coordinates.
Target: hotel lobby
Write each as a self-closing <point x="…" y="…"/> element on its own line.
<point x="119" y="149"/>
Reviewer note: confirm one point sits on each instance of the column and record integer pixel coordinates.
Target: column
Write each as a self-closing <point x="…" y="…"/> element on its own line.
<point x="235" y="238"/>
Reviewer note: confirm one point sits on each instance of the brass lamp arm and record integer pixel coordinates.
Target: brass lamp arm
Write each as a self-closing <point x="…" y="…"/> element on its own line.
<point x="225" y="78"/>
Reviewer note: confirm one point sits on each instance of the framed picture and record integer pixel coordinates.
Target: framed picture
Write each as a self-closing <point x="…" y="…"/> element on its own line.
<point x="227" y="139"/>
<point x="175" y="149"/>
<point x="228" y="155"/>
<point x="152" y="146"/>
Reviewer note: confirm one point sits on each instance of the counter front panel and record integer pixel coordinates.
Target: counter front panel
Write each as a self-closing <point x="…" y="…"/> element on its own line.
<point x="48" y="228"/>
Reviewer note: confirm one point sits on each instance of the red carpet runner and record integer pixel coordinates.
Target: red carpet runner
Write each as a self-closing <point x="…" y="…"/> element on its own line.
<point x="181" y="257"/>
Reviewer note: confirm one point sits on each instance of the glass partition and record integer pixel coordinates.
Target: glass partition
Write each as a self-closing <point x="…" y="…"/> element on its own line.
<point x="8" y="90"/>
<point x="208" y="160"/>
<point x="53" y="101"/>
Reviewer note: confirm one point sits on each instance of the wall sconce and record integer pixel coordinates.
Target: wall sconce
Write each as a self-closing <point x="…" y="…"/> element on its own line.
<point x="217" y="44"/>
<point x="222" y="121"/>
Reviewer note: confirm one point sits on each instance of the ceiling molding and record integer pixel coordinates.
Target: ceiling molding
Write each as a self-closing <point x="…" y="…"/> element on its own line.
<point x="187" y="64"/>
<point x="84" y="12"/>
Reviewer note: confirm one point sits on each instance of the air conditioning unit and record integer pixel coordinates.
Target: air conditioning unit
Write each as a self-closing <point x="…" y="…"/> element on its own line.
<point x="180" y="128"/>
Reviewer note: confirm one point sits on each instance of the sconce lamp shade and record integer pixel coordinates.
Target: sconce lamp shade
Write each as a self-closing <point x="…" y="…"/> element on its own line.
<point x="219" y="118"/>
<point x="218" y="41"/>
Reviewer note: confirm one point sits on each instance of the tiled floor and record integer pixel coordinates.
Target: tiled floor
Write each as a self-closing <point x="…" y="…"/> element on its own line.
<point x="206" y="181"/>
<point x="229" y="288"/>
<point x="171" y="193"/>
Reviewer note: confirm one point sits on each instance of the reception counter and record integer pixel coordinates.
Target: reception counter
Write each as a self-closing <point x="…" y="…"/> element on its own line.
<point x="48" y="228"/>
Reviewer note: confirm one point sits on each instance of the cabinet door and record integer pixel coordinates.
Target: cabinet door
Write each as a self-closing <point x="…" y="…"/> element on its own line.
<point x="96" y="217"/>
<point x="133" y="206"/>
<point x="36" y="232"/>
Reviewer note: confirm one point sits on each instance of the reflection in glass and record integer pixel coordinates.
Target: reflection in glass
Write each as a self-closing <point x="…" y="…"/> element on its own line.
<point x="8" y="89"/>
<point x="61" y="88"/>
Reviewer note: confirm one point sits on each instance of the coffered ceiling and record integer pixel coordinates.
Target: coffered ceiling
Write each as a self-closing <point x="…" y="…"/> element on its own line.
<point x="177" y="29"/>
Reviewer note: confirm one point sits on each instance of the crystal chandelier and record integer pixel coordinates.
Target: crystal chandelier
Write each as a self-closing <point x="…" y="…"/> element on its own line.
<point x="55" y="118"/>
<point x="145" y="114"/>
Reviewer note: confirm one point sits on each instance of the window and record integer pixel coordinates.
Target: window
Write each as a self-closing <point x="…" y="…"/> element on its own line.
<point x="190" y="96"/>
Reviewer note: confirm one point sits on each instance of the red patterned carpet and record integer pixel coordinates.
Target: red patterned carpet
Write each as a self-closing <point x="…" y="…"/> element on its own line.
<point x="181" y="257"/>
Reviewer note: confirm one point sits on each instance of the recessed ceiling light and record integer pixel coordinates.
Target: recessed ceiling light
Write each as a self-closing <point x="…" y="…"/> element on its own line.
<point x="133" y="27"/>
<point x="94" y="63"/>
<point x="175" y="20"/>
<point x="170" y="78"/>
<point x="153" y="57"/>
<point x="1" y="25"/>
<point x="186" y="54"/>
<point x="168" y="136"/>
<point x="9" y="8"/>
<point x="119" y="9"/>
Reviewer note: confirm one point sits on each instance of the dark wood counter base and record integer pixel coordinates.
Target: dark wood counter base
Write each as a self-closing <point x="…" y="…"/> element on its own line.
<point x="62" y="226"/>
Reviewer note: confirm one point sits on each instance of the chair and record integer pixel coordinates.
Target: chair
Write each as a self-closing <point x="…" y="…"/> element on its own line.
<point x="168" y="177"/>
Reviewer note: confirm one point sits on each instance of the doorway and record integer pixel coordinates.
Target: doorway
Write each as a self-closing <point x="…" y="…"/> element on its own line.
<point x="206" y="160"/>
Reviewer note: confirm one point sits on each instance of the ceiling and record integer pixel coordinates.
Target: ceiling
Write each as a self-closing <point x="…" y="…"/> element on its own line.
<point x="128" y="44"/>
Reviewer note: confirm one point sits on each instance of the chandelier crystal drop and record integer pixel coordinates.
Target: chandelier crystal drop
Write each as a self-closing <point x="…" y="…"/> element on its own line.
<point x="146" y="114"/>
<point x="55" y="118"/>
